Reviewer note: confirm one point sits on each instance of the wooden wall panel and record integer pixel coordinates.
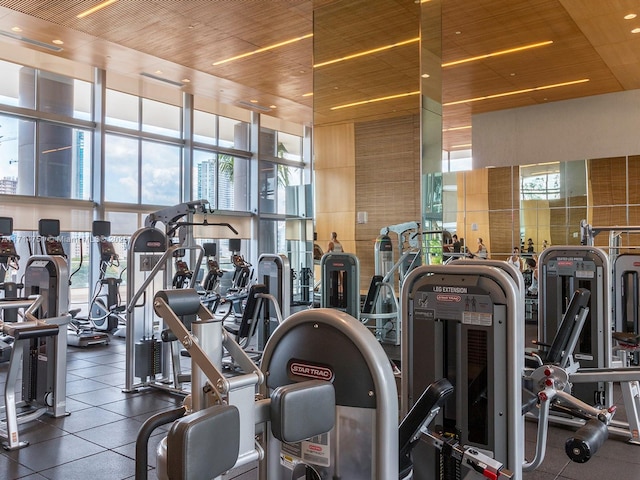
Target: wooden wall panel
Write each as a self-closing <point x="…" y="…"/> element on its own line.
<point x="335" y="184"/>
<point x="634" y="181"/>
<point x="607" y="181"/>
<point x="387" y="156"/>
<point x="503" y="192"/>
<point x="474" y="223"/>
<point x="536" y="215"/>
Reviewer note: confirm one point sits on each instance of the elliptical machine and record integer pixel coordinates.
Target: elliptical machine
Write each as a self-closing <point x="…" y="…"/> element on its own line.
<point x="8" y="261"/>
<point x="79" y="333"/>
<point x="106" y="308"/>
<point x="211" y="282"/>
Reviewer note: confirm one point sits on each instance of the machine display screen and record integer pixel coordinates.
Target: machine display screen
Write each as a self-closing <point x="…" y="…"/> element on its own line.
<point x="6" y="226"/>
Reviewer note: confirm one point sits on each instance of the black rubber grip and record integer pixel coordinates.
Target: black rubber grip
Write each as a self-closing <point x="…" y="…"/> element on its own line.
<point x="167" y="335"/>
<point x="587" y="440"/>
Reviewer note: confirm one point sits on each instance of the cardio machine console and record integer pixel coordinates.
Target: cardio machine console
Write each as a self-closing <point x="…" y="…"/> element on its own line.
<point x="107" y="251"/>
<point x="7" y="248"/>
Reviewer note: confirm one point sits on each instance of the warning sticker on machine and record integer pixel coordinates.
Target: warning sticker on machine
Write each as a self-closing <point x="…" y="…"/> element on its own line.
<point x="477" y="318"/>
<point x="315" y="450"/>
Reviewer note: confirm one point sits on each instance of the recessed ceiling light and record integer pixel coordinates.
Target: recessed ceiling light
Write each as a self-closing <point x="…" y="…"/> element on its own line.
<point x="264" y="49"/>
<point x="158" y="72"/>
<point x="453" y="129"/>
<point x="186" y="80"/>
<point x="635" y="30"/>
<point x="425" y="75"/>
<point x="368" y="52"/>
<point x="373" y="100"/>
<point x="630" y="16"/>
<point x="272" y="106"/>
<point x="57" y="42"/>
<point x="96" y="8"/>
<point x="517" y="92"/>
<point x="498" y="53"/>
<point x="253" y="101"/>
<point x="16" y="29"/>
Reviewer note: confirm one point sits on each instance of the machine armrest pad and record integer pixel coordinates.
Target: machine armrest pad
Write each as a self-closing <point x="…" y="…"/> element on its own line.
<point x="204" y="444"/>
<point x="302" y="410"/>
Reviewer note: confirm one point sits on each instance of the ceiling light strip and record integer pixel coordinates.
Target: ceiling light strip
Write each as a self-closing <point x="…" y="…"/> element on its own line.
<point x="31" y="41"/>
<point x="100" y="6"/>
<point x="264" y="49"/>
<point x="373" y="100"/>
<point x="464" y="145"/>
<point x="368" y="52"/>
<point x="498" y="53"/>
<point x="453" y="129"/>
<point x="516" y="92"/>
<point x="161" y="79"/>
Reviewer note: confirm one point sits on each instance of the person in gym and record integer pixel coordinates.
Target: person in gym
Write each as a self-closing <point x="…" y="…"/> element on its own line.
<point x="457" y="244"/>
<point x="482" y="250"/>
<point x="515" y="258"/>
<point x="334" y="244"/>
<point x="533" y="266"/>
<point x="530" y="248"/>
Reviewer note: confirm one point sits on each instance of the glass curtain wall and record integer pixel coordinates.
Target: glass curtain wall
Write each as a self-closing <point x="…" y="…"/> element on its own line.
<point x="47" y="167"/>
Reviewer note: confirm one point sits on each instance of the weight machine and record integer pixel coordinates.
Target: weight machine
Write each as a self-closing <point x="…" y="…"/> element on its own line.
<point x="327" y="406"/>
<point x="150" y="267"/>
<point x="38" y="360"/>
<point x="625" y="300"/>
<point x="340" y="288"/>
<point x="274" y="272"/>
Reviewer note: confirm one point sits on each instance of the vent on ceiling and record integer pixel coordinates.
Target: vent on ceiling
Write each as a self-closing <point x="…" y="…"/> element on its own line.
<point x="253" y="106"/>
<point x="31" y="41"/>
<point x="164" y="80"/>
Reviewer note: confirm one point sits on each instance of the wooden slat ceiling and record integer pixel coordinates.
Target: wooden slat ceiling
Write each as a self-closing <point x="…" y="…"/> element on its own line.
<point x="183" y="38"/>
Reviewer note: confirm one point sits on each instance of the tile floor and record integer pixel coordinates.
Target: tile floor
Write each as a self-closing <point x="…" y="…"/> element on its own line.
<point x="97" y="440"/>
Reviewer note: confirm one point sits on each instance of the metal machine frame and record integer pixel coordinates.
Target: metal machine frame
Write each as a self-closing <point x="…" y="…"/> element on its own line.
<point x="287" y="363"/>
<point x="472" y="316"/>
<point x="340" y="283"/>
<point x="563" y="269"/>
<point x="150" y="269"/>
<point x="274" y="272"/>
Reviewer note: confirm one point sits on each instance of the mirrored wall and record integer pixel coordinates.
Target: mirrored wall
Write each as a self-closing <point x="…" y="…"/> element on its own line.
<point x="544" y="202"/>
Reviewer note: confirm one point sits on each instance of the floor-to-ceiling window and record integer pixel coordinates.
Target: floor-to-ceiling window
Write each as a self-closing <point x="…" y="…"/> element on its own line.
<point x="59" y="160"/>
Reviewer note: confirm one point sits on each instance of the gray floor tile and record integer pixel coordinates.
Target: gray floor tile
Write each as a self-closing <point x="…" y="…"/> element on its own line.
<point x="94" y="370"/>
<point x="139" y="404"/>
<point x="129" y="450"/>
<point x="51" y="453"/>
<point x="102" y="466"/>
<point x="84" y="419"/>
<point x="101" y="396"/>
<point x="82" y="385"/>
<point x="113" y="435"/>
<point x="12" y="469"/>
